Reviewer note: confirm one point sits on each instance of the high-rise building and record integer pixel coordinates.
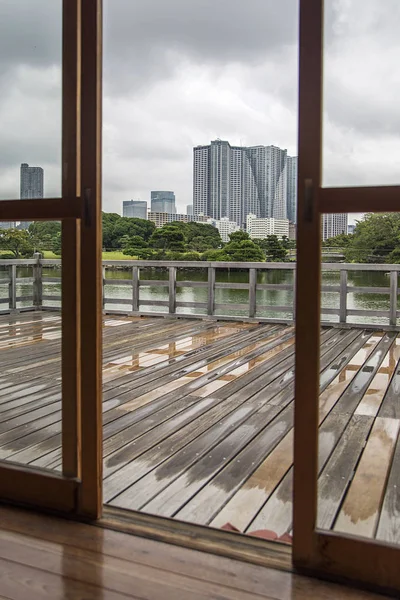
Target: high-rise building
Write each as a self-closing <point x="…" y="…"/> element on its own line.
<point x="31" y="182"/>
<point x="31" y="186"/>
<point x="163" y="202"/>
<point x="134" y="208"/>
<point x="292" y="188"/>
<point x="334" y="224"/>
<point x="189" y="209"/>
<point x="234" y="181"/>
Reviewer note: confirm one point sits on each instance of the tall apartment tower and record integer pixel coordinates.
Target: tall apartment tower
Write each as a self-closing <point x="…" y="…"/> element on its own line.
<point x="31" y="186"/>
<point x="31" y="182"/>
<point x="163" y="202"/>
<point x="201" y="180"/>
<point x="134" y="209"/>
<point x="291" y="206"/>
<point x="334" y="224"/>
<point x="234" y="181"/>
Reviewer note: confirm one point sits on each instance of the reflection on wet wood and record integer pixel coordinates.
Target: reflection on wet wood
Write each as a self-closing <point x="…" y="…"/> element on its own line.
<point x="198" y="419"/>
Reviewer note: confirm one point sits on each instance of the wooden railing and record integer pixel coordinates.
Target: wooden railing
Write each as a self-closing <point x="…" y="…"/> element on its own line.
<point x="133" y="303"/>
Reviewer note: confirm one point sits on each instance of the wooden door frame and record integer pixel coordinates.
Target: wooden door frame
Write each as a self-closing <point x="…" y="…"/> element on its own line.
<point x="78" y="489"/>
<point x="323" y="552"/>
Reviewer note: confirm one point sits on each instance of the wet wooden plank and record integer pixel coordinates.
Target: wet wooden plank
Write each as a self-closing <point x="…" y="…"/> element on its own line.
<point x="389" y="522"/>
<point x="359" y="513"/>
<point x="355" y="392"/>
<point x="338" y="472"/>
<point x="134" y="497"/>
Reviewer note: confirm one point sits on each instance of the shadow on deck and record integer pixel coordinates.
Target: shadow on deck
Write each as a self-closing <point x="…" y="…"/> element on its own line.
<point x="198" y="419"/>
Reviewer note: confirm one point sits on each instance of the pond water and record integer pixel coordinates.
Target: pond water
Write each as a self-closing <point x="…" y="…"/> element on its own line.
<point x="226" y="296"/>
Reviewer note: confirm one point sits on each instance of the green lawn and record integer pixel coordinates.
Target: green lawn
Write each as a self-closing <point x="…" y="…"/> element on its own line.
<point x="50" y="254"/>
<point x="117" y="256"/>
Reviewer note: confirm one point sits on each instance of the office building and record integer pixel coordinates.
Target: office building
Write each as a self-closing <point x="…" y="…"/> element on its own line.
<point x="260" y="228"/>
<point x="189" y="209"/>
<point x="161" y="218"/>
<point x="350" y="229"/>
<point x="31" y="182"/>
<point x="234" y="181"/>
<point x="163" y="202"/>
<point x="334" y="224"/>
<point x="291" y="204"/>
<point x="135" y="208"/>
<point x="31" y="186"/>
<point x="225" y="227"/>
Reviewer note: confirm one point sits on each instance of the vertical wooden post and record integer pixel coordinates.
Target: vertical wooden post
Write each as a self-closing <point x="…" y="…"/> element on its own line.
<point x="90" y="498"/>
<point x="211" y="291"/>
<point x="252" y="292"/>
<point x="70" y="241"/>
<point x="343" y="297"/>
<point x="294" y="294"/>
<point x="172" y="290"/>
<point x="393" y="297"/>
<point x="308" y="299"/>
<point x="12" y="286"/>
<point x="135" y="288"/>
<point x="38" y="281"/>
<point x="103" y="286"/>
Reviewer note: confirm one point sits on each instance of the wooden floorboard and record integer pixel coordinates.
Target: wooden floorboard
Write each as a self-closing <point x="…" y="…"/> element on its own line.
<point x="198" y="419"/>
<point x="44" y="557"/>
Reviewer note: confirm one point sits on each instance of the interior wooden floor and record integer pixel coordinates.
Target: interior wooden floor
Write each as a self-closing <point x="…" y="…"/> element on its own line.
<point x="198" y="419"/>
<point x="44" y="558"/>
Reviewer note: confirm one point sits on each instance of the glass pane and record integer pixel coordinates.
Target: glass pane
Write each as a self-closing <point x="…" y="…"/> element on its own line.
<point x="200" y="130"/>
<point x="30" y="345"/>
<point x="359" y="446"/>
<point x="361" y="87"/>
<point x="30" y="105"/>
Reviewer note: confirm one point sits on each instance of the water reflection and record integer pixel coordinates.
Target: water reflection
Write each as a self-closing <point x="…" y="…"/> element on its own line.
<point x="226" y="296"/>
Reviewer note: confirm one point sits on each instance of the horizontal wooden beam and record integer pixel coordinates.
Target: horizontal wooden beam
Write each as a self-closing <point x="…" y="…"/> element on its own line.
<point x="376" y="563"/>
<point x="359" y="199"/>
<point x="43" y="209"/>
<point x="37" y="488"/>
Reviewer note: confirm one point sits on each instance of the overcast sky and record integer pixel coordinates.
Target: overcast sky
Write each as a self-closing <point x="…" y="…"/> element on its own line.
<point x="178" y="73"/>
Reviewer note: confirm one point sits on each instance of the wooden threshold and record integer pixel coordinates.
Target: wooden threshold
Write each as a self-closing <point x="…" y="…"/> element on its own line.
<point x="197" y="537"/>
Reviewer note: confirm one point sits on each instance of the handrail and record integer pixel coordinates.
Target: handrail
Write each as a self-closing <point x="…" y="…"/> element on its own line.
<point x="209" y="306"/>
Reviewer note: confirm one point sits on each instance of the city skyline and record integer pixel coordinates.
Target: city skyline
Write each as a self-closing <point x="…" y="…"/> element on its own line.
<point x="171" y="85"/>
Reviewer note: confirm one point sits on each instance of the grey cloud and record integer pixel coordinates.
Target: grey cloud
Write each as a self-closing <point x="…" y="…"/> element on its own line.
<point x="145" y="40"/>
<point x="30" y="33"/>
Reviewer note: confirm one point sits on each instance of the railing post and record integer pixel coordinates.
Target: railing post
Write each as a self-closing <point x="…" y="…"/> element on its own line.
<point x="252" y="292"/>
<point x="12" y="294"/>
<point x="135" y="288"/>
<point x="393" y="298"/>
<point x="38" y="281"/>
<point x="103" y="287"/>
<point x="343" y="297"/>
<point x="211" y="291"/>
<point x="294" y="295"/>
<point x="172" y="290"/>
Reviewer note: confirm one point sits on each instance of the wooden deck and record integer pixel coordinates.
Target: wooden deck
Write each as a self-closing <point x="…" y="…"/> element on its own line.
<point x="198" y="419"/>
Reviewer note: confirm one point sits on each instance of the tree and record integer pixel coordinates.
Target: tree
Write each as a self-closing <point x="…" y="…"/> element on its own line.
<point x="238" y="236"/>
<point x="116" y="228"/>
<point x="43" y="234"/>
<point x="168" y="237"/>
<point x="273" y="248"/>
<point x="376" y="239"/>
<point x="17" y="241"/>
